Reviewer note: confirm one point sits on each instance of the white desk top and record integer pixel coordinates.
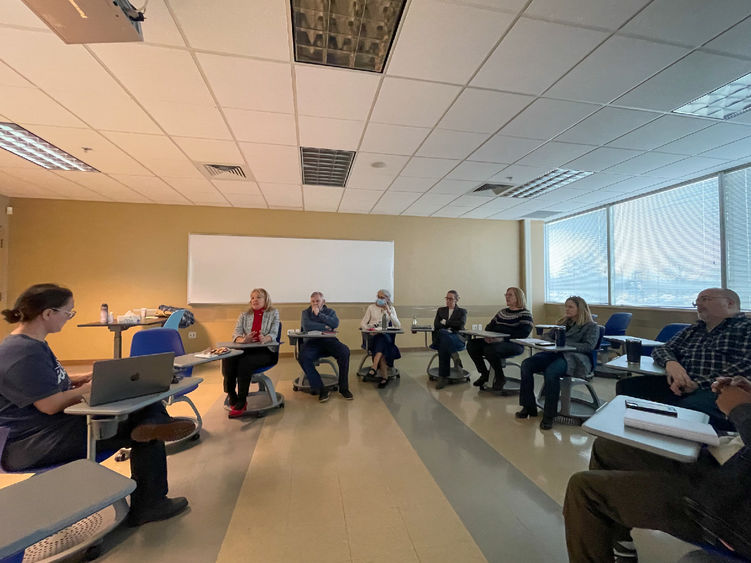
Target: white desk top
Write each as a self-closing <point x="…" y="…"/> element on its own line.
<point x="534" y="344"/>
<point x="296" y="334"/>
<point x="377" y="330"/>
<point x="190" y="360"/>
<point x="67" y="494"/>
<point x="644" y="341"/>
<point x="128" y="406"/>
<point x="242" y="346"/>
<point x="485" y="334"/>
<point x="549" y="326"/>
<point x="421" y="328"/>
<point x="645" y="366"/>
<point x="608" y="423"/>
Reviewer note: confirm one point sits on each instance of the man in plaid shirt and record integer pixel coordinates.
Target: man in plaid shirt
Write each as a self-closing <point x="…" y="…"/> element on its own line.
<point x="718" y="345"/>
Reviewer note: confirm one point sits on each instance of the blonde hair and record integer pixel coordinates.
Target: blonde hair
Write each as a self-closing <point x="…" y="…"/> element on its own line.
<point x="521" y="299"/>
<point x="268" y="306"/>
<point x="583" y="316"/>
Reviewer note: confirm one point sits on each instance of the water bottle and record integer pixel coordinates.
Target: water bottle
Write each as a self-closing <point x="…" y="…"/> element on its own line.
<point x="414" y="321"/>
<point x="384" y="321"/>
<point x="104" y="315"/>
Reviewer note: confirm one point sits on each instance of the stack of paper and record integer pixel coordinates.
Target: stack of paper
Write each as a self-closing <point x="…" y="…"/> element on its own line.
<point x="671" y="426"/>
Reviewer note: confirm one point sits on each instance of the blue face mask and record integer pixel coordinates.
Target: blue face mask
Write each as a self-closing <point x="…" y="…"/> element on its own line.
<point x="380" y="302"/>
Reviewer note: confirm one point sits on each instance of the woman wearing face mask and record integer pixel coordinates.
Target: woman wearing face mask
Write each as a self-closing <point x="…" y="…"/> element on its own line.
<point x="383" y="345"/>
<point x="260" y="323"/>
<point x="582" y="333"/>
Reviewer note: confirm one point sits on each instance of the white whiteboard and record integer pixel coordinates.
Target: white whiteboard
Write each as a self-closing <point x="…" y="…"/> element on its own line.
<point x="224" y="268"/>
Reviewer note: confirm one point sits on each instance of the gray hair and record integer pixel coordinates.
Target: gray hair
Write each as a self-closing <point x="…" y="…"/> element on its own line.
<point x="319" y="293"/>
<point x="387" y="293"/>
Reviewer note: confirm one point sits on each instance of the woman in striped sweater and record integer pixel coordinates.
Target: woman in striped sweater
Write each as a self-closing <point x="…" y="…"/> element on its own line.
<point x="516" y="321"/>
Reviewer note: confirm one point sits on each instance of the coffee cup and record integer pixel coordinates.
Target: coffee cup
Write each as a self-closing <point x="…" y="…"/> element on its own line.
<point x="633" y="350"/>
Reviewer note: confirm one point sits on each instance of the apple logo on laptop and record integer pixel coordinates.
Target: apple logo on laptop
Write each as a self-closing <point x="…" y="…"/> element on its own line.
<point x="135" y="377"/>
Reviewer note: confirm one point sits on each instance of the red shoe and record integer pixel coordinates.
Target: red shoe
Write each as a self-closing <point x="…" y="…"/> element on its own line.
<point x="238" y="410"/>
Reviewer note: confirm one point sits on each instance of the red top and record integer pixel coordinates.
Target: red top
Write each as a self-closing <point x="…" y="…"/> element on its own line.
<point x="257" y="318"/>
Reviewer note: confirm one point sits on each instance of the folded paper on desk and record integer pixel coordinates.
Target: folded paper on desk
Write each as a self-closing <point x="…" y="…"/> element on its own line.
<point x="538" y="341"/>
<point x="669" y="426"/>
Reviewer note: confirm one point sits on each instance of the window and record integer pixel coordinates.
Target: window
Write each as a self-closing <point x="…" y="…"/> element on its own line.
<point x="737" y="209"/>
<point x="577" y="258"/>
<point x="666" y="246"/>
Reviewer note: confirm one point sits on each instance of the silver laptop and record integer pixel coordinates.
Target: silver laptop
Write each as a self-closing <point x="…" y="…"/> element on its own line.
<point x="115" y="380"/>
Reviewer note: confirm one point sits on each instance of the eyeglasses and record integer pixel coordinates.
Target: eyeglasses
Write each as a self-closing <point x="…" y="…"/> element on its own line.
<point x="705" y="298"/>
<point x="70" y="314"/>
<point x="451" y="299"/>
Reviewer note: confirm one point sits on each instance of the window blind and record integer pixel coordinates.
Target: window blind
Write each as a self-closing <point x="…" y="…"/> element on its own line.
<point x="737" y="209"/>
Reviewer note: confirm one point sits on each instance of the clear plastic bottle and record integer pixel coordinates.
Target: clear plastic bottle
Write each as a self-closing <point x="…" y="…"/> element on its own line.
<point x="384" y="321"/>
<point x="104" y="315"/>
<point x="414" y="320"/>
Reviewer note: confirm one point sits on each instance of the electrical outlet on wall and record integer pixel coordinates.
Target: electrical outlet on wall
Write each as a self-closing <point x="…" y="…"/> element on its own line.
<point x="192" y="334"/>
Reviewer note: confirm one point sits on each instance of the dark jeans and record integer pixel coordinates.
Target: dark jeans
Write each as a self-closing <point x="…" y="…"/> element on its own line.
<point x="495" y="352"/>
<point x="66" y="441"/>
<point x="656" y="388"/>
<point x="238" y="371"/>
<point x="552" y="366"/>
<point x="448" y="343"/>
<point x="315" y="348"/>
<point x="628" y="488"/>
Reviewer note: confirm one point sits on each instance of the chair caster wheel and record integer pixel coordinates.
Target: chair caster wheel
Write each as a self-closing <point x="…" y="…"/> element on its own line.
<point x="431" y="378"/>
<point x="195" y="437"/>
<point x="92" y="552"/>
<point x="295" y="388"/>
<point x="260" y="415"/>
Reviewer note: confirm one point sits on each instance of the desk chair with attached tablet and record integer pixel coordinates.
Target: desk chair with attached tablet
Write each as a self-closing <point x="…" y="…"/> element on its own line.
<point x="574" y="409"/>
<point x="667" y="332"/>
<point x="158" y="340"/>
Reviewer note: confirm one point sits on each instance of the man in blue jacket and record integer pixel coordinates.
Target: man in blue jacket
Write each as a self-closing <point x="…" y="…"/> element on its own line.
<point x="319" y="317"/>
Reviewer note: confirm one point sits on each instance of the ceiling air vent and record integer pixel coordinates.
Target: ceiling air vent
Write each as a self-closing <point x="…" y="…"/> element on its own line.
<point x="496" y="189"/>
<point x="223" y="171"/>
<point x="325" y="167"/>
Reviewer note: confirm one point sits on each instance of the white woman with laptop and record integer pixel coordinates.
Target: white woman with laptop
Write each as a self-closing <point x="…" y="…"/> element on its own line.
<point x="35" y="389"/>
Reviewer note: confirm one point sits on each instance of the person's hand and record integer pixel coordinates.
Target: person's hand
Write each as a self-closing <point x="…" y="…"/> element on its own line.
<point x="316" y="309"/>
<point x="247" y="339"/>
<point x="738" y="381"/>
<point x="678" y="379"/>
<point x="443" y="322"/>
<point x="266" y="338"/>
<point x="730" y="396"/>
<point x="79" y="379"/>
<point x="84" y="388"/>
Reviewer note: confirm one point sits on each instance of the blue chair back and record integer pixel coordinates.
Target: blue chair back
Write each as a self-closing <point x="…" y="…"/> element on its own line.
<point x="174" y="320"/>
<point x="157" y="341"/>
<point x="597" y="347"/>
<point x="667" y="332"/>
<point x="617" y="324"/>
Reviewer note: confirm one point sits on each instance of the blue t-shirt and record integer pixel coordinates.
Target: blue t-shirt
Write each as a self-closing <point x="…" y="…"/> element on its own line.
<point x="29" y="371"/>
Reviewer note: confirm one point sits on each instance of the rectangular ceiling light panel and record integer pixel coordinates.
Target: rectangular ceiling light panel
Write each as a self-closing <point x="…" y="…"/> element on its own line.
<point x="325" y="167"/>
<point x="546" y="183"/>
<point x="725" y="102"/>
<point x="354" y="34"/>
<point x="25" y="144"/>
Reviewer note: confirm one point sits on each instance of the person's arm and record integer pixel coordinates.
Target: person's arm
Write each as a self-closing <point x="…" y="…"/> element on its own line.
<point x="523" y="326"/>
<point x="60" y="401"/>
<point x="437" y="321"/>
<point x="239" y="332"/>
<point x="669" y="356"/>
<point x="587" y="340"/>
<point x="457" y="323"/>
<point x="366" y="322"/>
<point x="394" y="319"/>
<point x="328" y="318"/>
<point x="79" y="379"/>
<point x="273" y="329"/>
<point x="735" y="401"/>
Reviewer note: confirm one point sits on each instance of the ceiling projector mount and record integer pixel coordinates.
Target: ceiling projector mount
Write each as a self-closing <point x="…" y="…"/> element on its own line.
<point x="90" y="21"/>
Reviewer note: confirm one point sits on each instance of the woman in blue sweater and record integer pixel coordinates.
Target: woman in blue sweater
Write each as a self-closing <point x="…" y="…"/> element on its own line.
<point x="582" y="333"/>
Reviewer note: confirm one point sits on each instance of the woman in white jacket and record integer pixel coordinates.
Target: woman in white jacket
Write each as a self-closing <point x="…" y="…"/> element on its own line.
<point x="382" y="344"/>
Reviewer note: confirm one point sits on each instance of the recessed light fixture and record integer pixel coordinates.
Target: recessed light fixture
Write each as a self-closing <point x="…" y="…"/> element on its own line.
<point x="725" y="102"/>
<point x="325" y="167"/>
<point x="547" y="182"/>
<point x="354" y="34"/>
<point x="19" y="141"/>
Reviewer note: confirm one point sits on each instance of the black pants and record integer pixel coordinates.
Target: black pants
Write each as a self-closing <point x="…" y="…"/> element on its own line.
<point x="495" y="352"/>
<point x="316" y="348"/>
<point x="238" y="371"/>
<point x="656" y="388"/>
<point x="66" y="441"/>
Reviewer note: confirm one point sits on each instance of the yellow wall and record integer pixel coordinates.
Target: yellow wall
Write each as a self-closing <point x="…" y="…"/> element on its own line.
<point x="133" y="255"/>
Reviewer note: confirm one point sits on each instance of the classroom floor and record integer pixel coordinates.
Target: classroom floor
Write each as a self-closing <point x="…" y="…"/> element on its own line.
<point x="403" y="474"/>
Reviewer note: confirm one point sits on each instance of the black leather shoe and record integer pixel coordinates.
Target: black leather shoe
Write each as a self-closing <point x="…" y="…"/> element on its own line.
<point x="323" y="395"/>
<point x="525" y="412"/>
<point x="480" y="381"/>
<point x="442" y="382"/>
<point x="166" y="508"/>
<point x="546" y="423"/>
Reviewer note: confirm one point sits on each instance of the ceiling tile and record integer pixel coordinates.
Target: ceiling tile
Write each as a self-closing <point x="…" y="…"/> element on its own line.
<point x="234" y="188"/>
<point x="690" y="22"/>
<point x="188" y="120"/>
<point x="359" y="201"/>
<point x="158" y="153"/>
<point x="408" y="184"/>
<point x="393" y="139"/>
<point x="29" y="105"/>
<point x="455" y="187"/>
<point x="601" y="158"/>
<point x="610" y="14"/>
<point x="262" y="126"/>
<point x="737" y="149"/>
<point x="483" y="111"/>
<point x="554" y="154"/>
<point x="17" y="13"/>
<point x="322" y="198"/>
<point x="429" y="204"/>
<point x="329" y="92"/>
<point x="645" y="162"/>
<point x="282" y="195"/>
<point x="160" y="28"/>
<point x="211" y="151"/>
<point x="409" y="102"/>
<point x="151" y="187"/>
<point x="250" y="201"/>
<point x="421" y="167"/>
<point x="707" y="139"/>
<point x="393" y="203"/>
<point x="518" y="174"/>
<point x="322" y="132"/>
<point x="273" y="163"/>
<point x="684" y="168"/>
<point x="615" y="67"/>
<point x="193" y="186"/>
<point x="101" y="184"/>
<point x="593" y="182"/>
<point x="257" y="29"/>
<point x="467" y="34"/>
<point x="9" y="77"/>
<point x="477" y="171"/>
<point x="504" y="149"/>
<point x="534" y="54"/>
<point x="249" y="84"/>
<point x="684" y="81"/>
<point x="365" y="176"/>
<point x="606" y="125"/>
<point x="734" y="41"/>
<point x="545" y="118"/>
<point x="661" y="131"/>
<point x="443" y="143"/>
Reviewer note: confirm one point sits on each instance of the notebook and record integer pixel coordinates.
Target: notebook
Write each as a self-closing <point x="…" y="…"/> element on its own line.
<point x="670" y="426"/>
<point x="125" y="378"/>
